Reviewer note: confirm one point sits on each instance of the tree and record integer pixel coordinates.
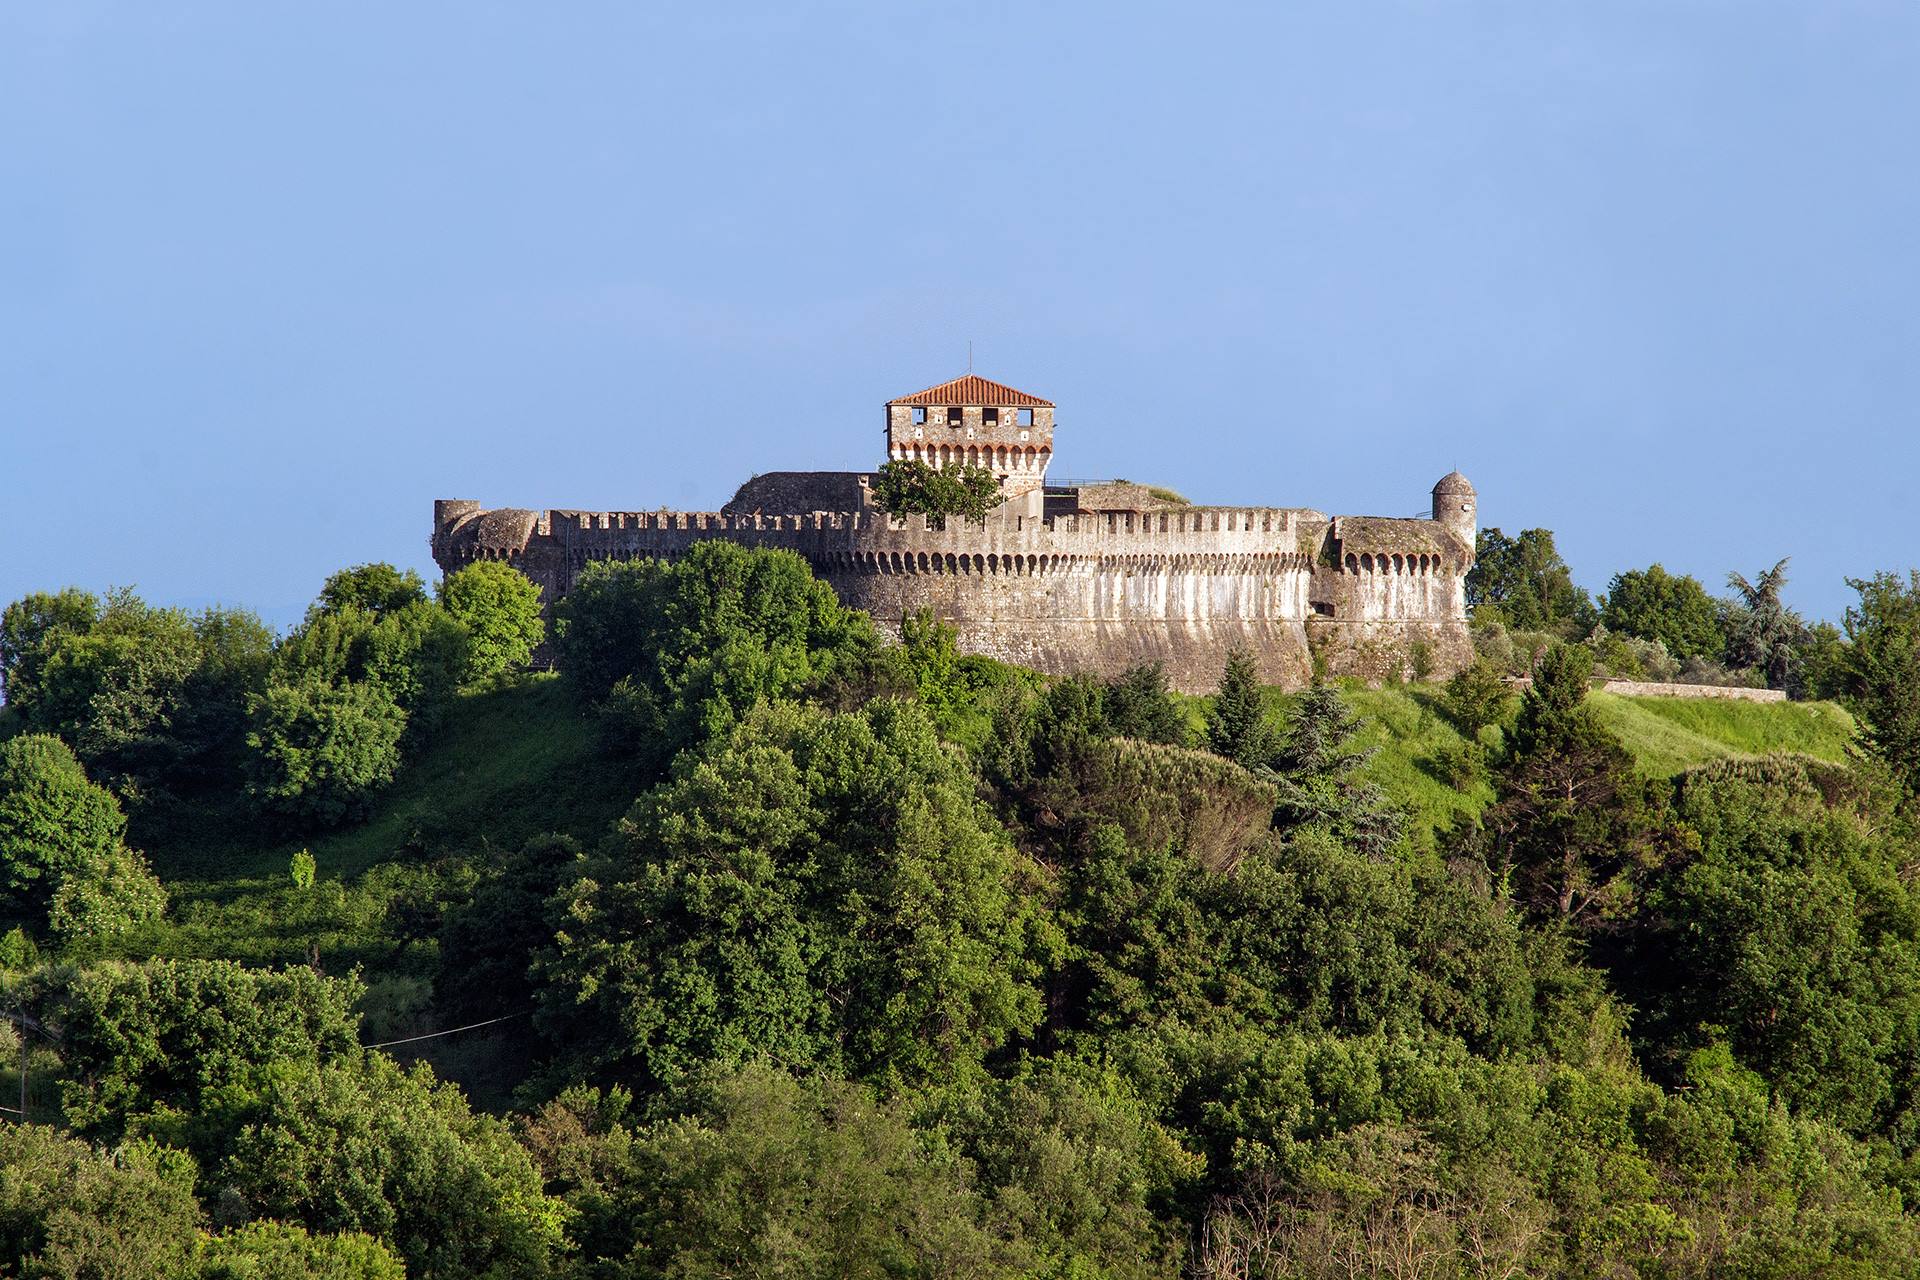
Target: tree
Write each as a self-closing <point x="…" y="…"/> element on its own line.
<point x="378" y="589"/>
<point x="1075" y="1169"/>
<point x="675" y="652"/>
<point x="209" y="726"/>
<point x="321" y="752"/>
<point x="816" y="891"/>
<point x="1237" y="722"/>
<point x="285" y="1251"/>
<point x="500" y="608"/>
<point x="358" y="1145"/>
<point x="1139" y="704"/>
<point x="259" y="1076"/>
<point x="768" y="1175"/>
<point x="487" y="942"/>
<point x="1523" y="582"/>
<point x="1789" y="934"/>
<point x="1882" y="668"/>
<point x="415" y="653"/>
<point x="53" y="822"/>
<point x="906" y="486"/>
<point x="374" y="625"/>
<point x="1573" y="830"/>
<point x="71" y="1212"/>
<point x="1478" y="696"/>
<point x="152" y="700"/>
<point x="104" y="899"/>
<point x="29" y="629"/>
<point x="1766" y="635"/>
<point x="1318" y="770"/>
<point x="113" y="690"/>
<point x="129" y="1033"/>
<point x="1653" y="604"/>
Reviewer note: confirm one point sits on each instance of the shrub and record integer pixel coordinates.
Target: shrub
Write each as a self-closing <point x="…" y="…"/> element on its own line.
<point x="500" y="608"/>
<point x="321" y="752"/>
<point x="1477" y="696"/>
<point x="53" y="822"/>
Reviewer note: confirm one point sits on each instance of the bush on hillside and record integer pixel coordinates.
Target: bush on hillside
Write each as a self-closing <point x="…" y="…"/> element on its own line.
<point x="675" y="652"/>
<point x="500" y="608"/>
<point x="321" y="752"/>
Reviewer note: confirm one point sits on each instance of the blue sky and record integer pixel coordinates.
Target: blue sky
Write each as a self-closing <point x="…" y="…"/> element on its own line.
<point x="273" y="277"/>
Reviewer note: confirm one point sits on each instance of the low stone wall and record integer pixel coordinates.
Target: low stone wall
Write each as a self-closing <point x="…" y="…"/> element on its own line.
<point x="1663" y="689"/>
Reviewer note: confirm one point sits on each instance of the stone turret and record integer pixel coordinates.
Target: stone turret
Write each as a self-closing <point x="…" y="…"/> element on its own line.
<point x="974" y="421"/>
<point x="1456" y="506"/>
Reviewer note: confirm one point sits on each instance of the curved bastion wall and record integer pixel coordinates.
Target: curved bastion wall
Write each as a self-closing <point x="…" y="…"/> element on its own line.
<point x="1095" y="591"/>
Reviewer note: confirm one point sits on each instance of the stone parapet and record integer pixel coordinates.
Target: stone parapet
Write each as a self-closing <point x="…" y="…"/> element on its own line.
<point x="1093" y="591"/>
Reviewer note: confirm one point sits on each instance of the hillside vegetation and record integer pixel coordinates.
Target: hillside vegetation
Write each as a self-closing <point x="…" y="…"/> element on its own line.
<point x="1415" y="742"/>
<point x="754" y="943"/>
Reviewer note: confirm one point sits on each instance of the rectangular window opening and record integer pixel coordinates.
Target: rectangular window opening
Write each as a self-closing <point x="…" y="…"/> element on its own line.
<point x="1026" y="417"/>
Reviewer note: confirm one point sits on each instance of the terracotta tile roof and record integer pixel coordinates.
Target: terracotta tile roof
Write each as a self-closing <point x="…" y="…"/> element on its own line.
<point x="973" y="389"/>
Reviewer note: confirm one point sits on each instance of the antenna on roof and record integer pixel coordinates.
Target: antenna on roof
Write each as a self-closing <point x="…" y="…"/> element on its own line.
<point x="969" y="355"/>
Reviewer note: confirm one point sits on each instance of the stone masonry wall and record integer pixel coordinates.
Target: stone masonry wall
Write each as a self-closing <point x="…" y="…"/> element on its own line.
<point x="1662" y="689"/>
<point x="1095" y="592"/>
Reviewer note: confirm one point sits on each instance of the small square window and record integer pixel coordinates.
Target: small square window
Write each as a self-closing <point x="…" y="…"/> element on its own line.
<point x="1026" y="417"/>
<point x="990" y="416"/>
<point x="920" y="414"/>
<point x="954" y="415"/>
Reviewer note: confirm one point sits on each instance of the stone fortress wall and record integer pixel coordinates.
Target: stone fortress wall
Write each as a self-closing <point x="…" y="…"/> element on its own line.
<point x="1078" y="589"/>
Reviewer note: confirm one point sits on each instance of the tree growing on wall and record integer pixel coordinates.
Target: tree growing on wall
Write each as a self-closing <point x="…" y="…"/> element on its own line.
<point x="908" y="487"/>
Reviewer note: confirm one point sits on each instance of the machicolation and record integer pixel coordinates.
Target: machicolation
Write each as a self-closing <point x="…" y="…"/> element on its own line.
<point x="1086" y="576"/>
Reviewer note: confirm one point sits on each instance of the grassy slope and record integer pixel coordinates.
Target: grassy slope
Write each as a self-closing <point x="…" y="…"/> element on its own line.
<point x="1666" y="735"/>
<point x="506" y="765"/>
<point x="1412" y="738"/>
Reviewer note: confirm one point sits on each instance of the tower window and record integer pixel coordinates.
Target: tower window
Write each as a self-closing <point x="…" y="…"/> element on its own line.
<point x="954" y="414"/>
<point x="920" y="414"/>
<point x="1025" y="417"/>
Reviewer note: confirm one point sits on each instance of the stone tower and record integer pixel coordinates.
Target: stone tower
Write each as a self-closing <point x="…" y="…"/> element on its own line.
<point x="973" y="421"/>
<point x="1455" y="505"/>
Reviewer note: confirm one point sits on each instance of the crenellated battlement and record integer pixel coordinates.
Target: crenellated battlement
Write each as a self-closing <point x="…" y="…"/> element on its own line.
<point x="1077" y="589"/>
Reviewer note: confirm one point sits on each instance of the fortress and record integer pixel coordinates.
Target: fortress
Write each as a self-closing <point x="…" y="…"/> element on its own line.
<point x="1080" y="576"/>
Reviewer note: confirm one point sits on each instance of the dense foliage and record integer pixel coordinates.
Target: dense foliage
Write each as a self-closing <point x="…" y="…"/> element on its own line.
<point x="760" y="945"/>
<point x="911" y="487"/>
